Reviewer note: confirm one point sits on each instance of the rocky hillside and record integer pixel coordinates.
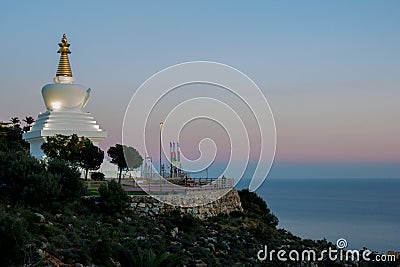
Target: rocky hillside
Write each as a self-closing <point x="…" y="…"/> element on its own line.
<point x="82" y="234"/>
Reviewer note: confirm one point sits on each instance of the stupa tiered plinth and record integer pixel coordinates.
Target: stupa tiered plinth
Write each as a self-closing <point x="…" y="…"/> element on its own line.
<point x="64" y="101"/>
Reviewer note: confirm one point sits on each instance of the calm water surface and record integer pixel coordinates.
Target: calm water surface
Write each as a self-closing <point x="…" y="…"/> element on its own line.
<point x="366" y="212"/>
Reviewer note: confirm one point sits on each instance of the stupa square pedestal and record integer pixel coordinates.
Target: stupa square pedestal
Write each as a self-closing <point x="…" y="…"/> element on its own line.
<point x="51" y="123"/>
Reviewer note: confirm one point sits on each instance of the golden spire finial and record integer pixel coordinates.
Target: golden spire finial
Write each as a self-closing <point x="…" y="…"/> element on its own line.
<point x="64" y="69"/>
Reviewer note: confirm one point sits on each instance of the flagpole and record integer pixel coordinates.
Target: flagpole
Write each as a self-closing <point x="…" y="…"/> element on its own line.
<point x="161" y="125"/>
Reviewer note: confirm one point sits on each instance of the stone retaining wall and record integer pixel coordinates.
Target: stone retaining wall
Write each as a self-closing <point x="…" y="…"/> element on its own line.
<point x="150" y="206"/>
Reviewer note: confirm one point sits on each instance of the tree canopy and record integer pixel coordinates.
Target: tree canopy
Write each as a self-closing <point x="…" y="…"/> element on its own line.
<point x="29" y="121"/>
<point x="63" y="147"/>
<point x="11" y="136"/>
<point x="90" y="157"/>
<point x="117" y="154"/>
<point x="77" y="151"/>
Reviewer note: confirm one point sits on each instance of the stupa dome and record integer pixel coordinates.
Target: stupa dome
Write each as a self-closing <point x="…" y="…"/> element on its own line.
<point x="64" y="96"/>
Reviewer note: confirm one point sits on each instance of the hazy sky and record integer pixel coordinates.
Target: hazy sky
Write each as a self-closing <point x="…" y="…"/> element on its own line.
<point x="329" y="69"/>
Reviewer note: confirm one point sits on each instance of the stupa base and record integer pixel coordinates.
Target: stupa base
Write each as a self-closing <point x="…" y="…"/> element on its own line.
<point x="51" y="123"/>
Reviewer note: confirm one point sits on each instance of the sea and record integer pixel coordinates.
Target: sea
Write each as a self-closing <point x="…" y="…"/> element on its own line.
<point x="365" y="212"/>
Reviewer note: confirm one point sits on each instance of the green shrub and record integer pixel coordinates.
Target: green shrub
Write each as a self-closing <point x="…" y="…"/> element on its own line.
<point x="185" y="222"/>
<point x="113" y="198"/>
<point x="11" y="140"/>
<point x="15" y="170"/>
<point x="12" y="240"/>
<point x="147" y="257"/>
<point x="122" y="254"/>
<point x="72" y="187"/>
<point x="97" y="176"/>
<point x="43" y="189"/>
<point x="254" y="204"/>
<point x="237" y="214"/>
<point x="23" y="178"/>
<point x="101" y="251"/>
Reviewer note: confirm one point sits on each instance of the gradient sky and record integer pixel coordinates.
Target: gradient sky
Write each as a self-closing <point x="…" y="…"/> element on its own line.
<point x="329" y="69"/>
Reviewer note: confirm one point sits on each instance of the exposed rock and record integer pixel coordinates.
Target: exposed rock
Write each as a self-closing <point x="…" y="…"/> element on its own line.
<point x="41" y="253"/>
<point x="200" y="263"/>
<point x="174" y="232"/>
<point x="42" y="219"/>
<point x="212" y="239"/>
<point x="43" y="245"/>
<point x="226" y="244"/>
<point x="115" y="263"/>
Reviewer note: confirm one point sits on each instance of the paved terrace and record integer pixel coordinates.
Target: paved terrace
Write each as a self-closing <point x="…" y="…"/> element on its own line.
<point x="157" y="185"/>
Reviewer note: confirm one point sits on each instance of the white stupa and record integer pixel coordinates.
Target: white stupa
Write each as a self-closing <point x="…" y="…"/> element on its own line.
<point x="64" y="101"/>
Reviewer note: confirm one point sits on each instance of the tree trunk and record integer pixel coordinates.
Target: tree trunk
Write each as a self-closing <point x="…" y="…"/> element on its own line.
<point x="86" y="173"/>
<point x="120" y="174"/>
